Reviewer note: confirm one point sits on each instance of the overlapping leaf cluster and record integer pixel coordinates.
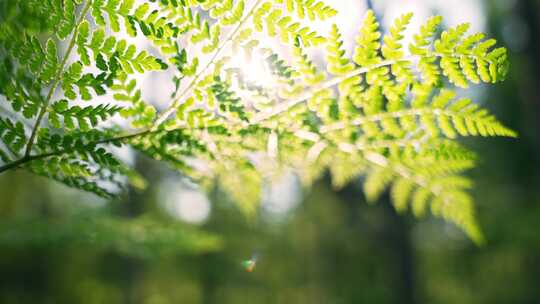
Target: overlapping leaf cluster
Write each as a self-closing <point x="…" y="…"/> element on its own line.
<point x="388" y="113"/>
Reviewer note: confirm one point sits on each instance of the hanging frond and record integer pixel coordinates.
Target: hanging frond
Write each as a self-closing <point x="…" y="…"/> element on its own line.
<point x="386" y="114"/>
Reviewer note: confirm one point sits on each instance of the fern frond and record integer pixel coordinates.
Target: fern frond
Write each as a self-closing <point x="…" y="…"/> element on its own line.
<point x="368" y="42"/>
<point x="421" y="47"/>
<point x="388" y="113"/>
<point x="13" y="135"/>
<point x="244" y="188"/>
<point x="444" y="116"/>
<point x="445" y="194"/>
<point x="312" y="9"/>
<point x="307" y="70"/>
<point x="140" y="112"/>
<point x="276" y="21"/>
<point x="226" y="99"/>
<point x="115" y="10"/>
<point x="21" y="91"/>
<point x="72" y="173"/>
<point x="463" y="58"/>
<point x="392" y="50"/>
<point x="113" y="50"/>
<point x="86" y="117"/>
<point x="338" y="63"/>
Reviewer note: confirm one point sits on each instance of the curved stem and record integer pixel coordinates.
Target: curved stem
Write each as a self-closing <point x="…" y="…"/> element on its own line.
<point x="283" y="107"/>
<point x="503" y="131"/>
<point x="29" y="158"/>
<point x="14" y="164"/>
<point x="56" y="80"/>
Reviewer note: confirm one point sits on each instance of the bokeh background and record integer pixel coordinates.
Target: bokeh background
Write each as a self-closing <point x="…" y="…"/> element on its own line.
<point x="172" y="244"/>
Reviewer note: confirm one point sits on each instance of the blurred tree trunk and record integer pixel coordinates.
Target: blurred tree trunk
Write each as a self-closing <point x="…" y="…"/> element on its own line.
<point x="528" y="83"/>
<point x="394" y="240"/>
<point x="133" y="207"/>
<point x="208" y="278"/>
<point x="523" y="84"/>
<point x="529" y="13"/>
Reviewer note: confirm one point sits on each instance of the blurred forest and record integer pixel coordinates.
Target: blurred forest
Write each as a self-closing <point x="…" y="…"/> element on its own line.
<point x="62" y="246"/>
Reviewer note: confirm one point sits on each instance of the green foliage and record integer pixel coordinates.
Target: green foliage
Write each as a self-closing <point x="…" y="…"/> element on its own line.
<point x="86" y="117"/>
<point x="13" y="136"/>
<point x="314" y="10"/>
<point x="278" y="22"/>
<point x="142" y="237"/>
<point x="117" y="53"/>
<point x="393" y="119"/>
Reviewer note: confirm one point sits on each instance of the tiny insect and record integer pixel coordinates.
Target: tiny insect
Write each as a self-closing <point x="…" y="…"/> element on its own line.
<point x="249" y="265"/>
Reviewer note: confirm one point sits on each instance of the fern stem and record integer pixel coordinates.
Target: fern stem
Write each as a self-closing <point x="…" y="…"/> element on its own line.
<point x="283" y="107"/>
<point x="123" y="137"/>
<point x="192" y="84"/>
<point x="14" y="164"/>
<point x="382" y="144"/>
<point x="321" y="143"/>
<point x="399" y="114"/>
<point x="423" y="182"/>
<point x="56" y="81"/>
<point x="27" y="159"/>
<point x="378" y="117"/>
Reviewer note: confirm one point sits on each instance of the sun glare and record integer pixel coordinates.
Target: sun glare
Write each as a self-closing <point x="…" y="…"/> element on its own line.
<point x="254" y="70"/>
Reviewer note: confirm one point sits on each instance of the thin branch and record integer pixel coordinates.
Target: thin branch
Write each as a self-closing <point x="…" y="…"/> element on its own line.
<point x="56" y="81"/>
<point x="14" y="164"/>
<point x="27" y="159"/>
<point x="502" y="131"/>
<point x="283" y="107"/>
